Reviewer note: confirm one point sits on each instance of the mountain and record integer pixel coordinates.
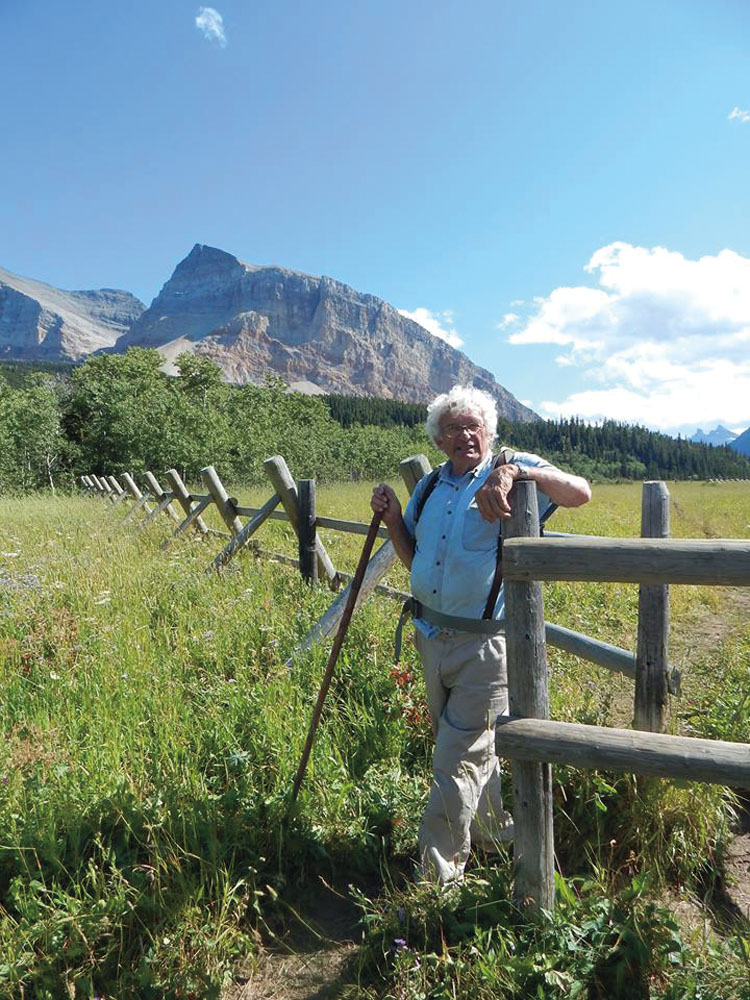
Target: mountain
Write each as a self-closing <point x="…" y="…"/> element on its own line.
<point x="718" y="436"/>
<point x="38" y="322"/>
<point x="742" y="443"/>
<point x="312" y="330"/>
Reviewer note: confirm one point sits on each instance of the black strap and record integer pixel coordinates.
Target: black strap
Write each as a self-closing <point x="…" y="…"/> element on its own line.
<point x="505" y="456"/>
<point x="429" y="486"/>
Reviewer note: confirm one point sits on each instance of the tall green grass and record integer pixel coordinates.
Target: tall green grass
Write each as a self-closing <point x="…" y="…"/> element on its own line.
<point x="152" y="732"/>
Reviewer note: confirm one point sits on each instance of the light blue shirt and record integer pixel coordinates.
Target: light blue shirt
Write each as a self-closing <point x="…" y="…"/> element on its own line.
<point x="456" y="549"/>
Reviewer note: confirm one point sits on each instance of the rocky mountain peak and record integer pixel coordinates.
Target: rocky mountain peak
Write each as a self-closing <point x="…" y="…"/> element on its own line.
<point x="315" y="330"/>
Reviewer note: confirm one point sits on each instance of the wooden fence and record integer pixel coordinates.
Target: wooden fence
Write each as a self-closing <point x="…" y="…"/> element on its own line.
<point x="526" y="736"/>
<point x="531" y="740"/>
<point x="298" y="509"/>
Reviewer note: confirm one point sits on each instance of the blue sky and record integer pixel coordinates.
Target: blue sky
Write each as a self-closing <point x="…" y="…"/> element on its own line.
<point x="561" y="186"/>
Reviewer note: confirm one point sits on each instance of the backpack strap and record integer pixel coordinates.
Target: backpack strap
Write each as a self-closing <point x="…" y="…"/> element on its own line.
<point x="429" y="486"/>
<point x="504" y="457"/>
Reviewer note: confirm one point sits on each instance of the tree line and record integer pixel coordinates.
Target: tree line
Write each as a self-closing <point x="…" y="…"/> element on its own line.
<point x="120" y="412"/>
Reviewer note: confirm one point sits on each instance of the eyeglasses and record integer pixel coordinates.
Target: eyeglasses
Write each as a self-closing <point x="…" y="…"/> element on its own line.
<point x="453" y="430"/>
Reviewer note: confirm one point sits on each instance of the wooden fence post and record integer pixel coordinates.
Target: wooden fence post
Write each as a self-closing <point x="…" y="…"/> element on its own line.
<point x="308" y="563"/>
<point x="528" y="695"/>
<point x="284" y="485"/>
<point x="183" y="498"/>
<point x="412" y="469"/>
<point x="652" y="666"/>
<point x="135" y="491"/>
<point x="119" y="492"/>
<point x="141" y="499"/>
<point x="155" y="488"/>
<point x="221" y="498"/>
<point x="99" y="483"/>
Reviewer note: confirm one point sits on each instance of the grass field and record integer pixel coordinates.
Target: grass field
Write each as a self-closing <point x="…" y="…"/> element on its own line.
<point x="152" y="732"/>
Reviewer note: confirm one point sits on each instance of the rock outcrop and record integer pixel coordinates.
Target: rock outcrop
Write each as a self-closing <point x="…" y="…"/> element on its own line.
<point x="310" y="330"/>
<point x="38" y="322"/>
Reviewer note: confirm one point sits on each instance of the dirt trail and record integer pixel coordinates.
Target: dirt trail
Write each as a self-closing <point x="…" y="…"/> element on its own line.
<point x="313" y="960"/>
<point x="709" y="628"/>
<point x="707" y="631"/>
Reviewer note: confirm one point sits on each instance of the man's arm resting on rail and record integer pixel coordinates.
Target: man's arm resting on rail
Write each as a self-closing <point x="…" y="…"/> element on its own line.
<point x="562" y="488"/>
<point x="385" y="502"/>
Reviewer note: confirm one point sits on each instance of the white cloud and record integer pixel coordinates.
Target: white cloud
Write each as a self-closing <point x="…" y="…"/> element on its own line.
<point x="434" y="324"/>
<point x="743" y="116"/>
<point x="211" y="23"/>
<point x="508" y="320"/>
<point x="663" y="341"/>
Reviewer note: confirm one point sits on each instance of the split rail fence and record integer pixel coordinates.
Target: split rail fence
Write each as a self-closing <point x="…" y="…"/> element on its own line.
<point x="527" y="736"/>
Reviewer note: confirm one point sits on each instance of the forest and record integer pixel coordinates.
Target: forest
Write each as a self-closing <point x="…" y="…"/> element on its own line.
<point x="122" y="413"/>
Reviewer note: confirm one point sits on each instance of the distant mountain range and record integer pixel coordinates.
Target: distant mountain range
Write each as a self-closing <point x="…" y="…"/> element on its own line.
<point x="317" y="333"/>
<point x="722" y="435"/>
<point x="718" y="436"/>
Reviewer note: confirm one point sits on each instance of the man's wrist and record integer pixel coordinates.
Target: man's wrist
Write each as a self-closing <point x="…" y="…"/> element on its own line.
<point x="522" y="474"/>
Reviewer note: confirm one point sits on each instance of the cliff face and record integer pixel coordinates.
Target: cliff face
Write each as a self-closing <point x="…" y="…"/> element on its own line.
<point x="38" y="322"/>
<point x="250" y="319"/>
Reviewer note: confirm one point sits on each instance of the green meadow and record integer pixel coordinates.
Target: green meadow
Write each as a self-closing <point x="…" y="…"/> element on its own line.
<point x="152" y="731"/>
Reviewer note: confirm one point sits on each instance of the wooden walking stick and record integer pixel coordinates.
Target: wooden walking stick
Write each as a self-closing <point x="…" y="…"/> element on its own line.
<point x="372" y="534"/>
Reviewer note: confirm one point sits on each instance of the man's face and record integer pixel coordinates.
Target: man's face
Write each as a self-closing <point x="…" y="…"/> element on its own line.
<point x="464" y="439"/>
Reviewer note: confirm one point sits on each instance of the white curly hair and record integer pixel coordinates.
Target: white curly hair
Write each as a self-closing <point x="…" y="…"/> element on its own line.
<point x="462" y="399"/>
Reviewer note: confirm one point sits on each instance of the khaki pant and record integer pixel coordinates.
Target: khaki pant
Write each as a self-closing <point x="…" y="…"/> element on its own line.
<point x="467" y="689"/>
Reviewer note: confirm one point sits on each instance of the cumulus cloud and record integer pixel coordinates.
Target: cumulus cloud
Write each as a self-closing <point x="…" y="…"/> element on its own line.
<point x="663" y="340"/>
<point x="438" y="324"/>
<point x="210" y="22"/>
<point x="743" y="116"/>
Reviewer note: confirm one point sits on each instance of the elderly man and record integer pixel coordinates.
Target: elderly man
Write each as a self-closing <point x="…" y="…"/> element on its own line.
<point x="449" y="541"/>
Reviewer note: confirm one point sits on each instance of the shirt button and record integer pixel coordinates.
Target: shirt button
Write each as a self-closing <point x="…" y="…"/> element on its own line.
<point x="434" y="592"/>
<point x="437" y="563"/>
<point x="443" y="536"/>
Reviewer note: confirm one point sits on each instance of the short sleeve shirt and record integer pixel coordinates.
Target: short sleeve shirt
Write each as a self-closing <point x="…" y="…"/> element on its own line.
<point x="455" y="548"/>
